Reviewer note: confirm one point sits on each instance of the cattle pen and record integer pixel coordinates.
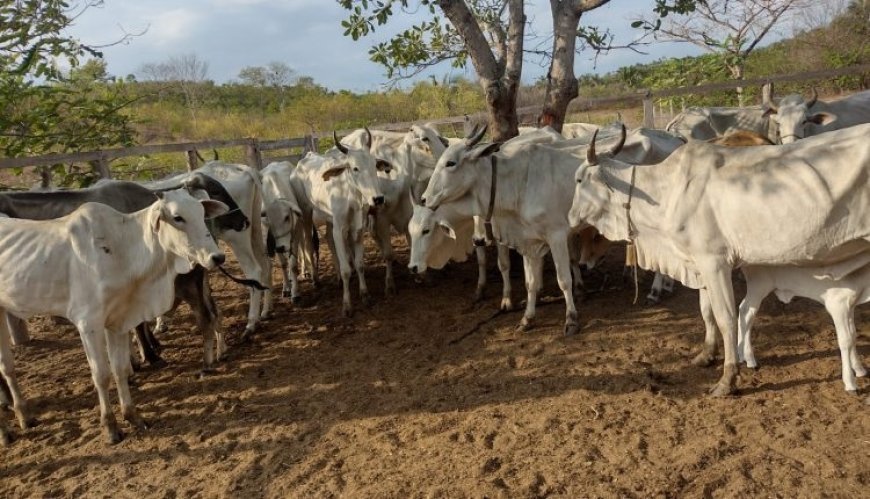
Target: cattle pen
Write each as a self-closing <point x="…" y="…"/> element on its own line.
<point x="430" y="394"/>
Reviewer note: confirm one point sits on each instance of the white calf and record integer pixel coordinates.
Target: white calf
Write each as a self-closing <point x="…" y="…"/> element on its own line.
<point x="839" y="296"/>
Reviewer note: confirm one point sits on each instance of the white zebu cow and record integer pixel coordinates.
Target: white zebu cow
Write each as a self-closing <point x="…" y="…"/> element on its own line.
<point x="283" y="217"/>
<point x="840" y="294"/>
<point x="106" y="272"/>
<point x="798" y="118"/>
<point x="243" y="184"/>
<point x="705" y="123"/>
<point x="339" y="190"/>
<point x="708" y="209"/>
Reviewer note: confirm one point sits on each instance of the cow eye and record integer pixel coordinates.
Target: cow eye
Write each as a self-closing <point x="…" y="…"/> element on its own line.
<point x="425" y="139"/>
<point x="178" y="218"/>
<point x="426" y="231"/>
<point x="356" y="169"/>
<point x="450" y="164"/>
<point x="287" y="218"/>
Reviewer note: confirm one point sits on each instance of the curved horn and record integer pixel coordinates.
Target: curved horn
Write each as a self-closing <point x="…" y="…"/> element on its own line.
<point x="215" y="154"/>
<point x="591" y="157"/>
<point x="368" y="141"/>
<point x="199" y="156"/>
<point x="338" y="144"/>
<point x="618" y="147"/>
<point x="473" y="129"/>
<point x="476" y="137"/>
<point x="813" y="99"/>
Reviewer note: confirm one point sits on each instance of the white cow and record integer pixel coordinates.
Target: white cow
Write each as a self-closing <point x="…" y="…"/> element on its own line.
<point x="243" y="184"/>
<point x="283" y="216"/>
<point x="840" y="294"/>
<point x="106" y="272"/>
<point x="798" y="118"/>
<point x="708" y="209"/>
<point x="705" y="123"/>
<point x="339" y="190"/>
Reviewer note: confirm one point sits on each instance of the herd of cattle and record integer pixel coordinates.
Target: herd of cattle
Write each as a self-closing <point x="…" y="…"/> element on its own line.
<point x="793" y="215"/>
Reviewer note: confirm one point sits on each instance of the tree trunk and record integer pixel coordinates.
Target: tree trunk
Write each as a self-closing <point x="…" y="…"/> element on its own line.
<point x="562" y="85"/>
<point x="501" y="102"/>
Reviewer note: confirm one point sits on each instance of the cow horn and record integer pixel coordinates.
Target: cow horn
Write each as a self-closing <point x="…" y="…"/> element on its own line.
<point x="368" y="141"/>
<point x="591" y="157"/>
<point x="618" y="147"/>
<point x="338" y="144"/>
<point x="473" y="140"/>
<point x="199" y="156"/>
<point x="215" y="154"/>
<point x="472" y="131"/>
<point x="813" y="99"/>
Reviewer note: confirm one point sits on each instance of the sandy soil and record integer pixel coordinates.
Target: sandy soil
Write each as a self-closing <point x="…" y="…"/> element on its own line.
<point x="429" y="395"/>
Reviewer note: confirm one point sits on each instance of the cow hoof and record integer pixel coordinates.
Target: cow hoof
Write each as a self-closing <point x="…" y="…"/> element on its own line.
<point x="347" y="312"/>
<point x="853" y="392"/>
<point x="506" y="305"/>
<point x="158" y="363"/>
<point x="390" y="290"/>
<point x="860" y="372"/>
<point x="652" y="301"/>
<point x="287" y="293"/>
<point x="296" y="300"/>
<point x="722" y="390"/>
<point x="113" y="435"/>
<point x="366" y="300"/>
<point x="571" y="329"/>
<point x="25" y="421"/>
<point x="137" y="422"/>
<point x="478" y="295"/>
<point x="524" y="325"/>
<point x="5" y="439"/>
<point x="206" y="372"/>
<point x="703" y="359"/>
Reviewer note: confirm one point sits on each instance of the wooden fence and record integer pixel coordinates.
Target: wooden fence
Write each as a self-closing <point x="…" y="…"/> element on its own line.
<point x="255" y="148"/>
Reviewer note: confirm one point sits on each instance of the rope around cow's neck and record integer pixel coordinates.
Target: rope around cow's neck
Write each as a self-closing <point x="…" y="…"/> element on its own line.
<point x="631" y="248"/>
<point x="251" y="283"/>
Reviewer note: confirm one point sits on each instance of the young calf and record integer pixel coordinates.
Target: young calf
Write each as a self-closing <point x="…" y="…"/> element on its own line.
<point x="839" y="294"/>
<point x="105" y="272"/>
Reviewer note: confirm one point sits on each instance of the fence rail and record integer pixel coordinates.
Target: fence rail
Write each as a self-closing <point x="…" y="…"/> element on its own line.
<point x="254" y="147"/>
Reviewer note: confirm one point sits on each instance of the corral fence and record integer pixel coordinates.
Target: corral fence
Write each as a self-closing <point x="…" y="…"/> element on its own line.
<point x="259" y="152"/>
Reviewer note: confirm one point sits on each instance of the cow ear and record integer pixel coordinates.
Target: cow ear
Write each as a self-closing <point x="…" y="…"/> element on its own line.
<point x="292" y="206"/>
<point x="485" y="150"/>
<point x="214" y="208"/>
<point x="822" y="118"/>
<point x="333" y="172"/>
<point x="444" y="142"/>
<point x="447" y="229"/>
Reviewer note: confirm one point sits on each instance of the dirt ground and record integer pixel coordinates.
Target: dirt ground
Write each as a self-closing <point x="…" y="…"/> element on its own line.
<point x="429" y="395"/>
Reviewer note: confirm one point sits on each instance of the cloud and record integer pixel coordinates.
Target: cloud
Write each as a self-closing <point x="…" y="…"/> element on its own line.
<point x="172" y="27"/>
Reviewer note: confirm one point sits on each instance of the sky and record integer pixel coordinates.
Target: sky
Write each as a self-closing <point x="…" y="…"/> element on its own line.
<point x="307" y="36"/>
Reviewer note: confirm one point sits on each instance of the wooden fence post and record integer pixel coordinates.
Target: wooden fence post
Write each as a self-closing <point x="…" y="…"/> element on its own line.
<point x="45" y="178"/>
<point x="649" y="119"/>
<point x="103" y="167"/>
<point x="192" y="160"/>
<point x="767" y="93"/>
<point x="253" y="156"/>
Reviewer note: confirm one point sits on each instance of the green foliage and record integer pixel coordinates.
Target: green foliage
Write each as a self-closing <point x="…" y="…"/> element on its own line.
<point x="44" y="110"/>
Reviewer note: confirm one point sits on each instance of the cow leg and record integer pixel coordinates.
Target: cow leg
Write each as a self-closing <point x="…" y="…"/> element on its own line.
<point x="841" y="308"/>
<point x="578" y="286"/>
<point x="480" y="253"/>
<point x="708" y="352"/>
<point x="268" y="266"/>
<point x="504" y="267"/>
<point x="119" y="352"/>
<point x="562" y="261"/>
<point x="359" y="266"/>
<point x="252" y="266"/>
<point x="5" y="396"/>
<point x="18" y="330"/>
<point x="382" y="235"/>
<point x="94" y="340"/>
<point x="533" y="267"/>
<point x="331" y="243"/>
<point x="160" y="327"/>
<point x="290" y="287"/>
<point x="755" y="294"/>
<point x="338" y="248"/>
<point x="717" y="277"/>
<point x="146" y="347"/>
<point x="655" y="292"/>
<point x="7" y="370"/>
